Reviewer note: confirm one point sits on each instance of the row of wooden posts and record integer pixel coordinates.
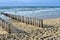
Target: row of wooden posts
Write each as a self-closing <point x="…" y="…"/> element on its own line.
<point x="27" y="20"/>
<point x="5" y="25"/>
<point x="9" y="27"/>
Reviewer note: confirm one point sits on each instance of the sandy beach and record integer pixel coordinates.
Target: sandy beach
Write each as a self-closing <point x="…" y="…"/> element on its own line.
<point x="2" y="31"/>
<point x="52" y="22"/>
<point x="51" y="30"/>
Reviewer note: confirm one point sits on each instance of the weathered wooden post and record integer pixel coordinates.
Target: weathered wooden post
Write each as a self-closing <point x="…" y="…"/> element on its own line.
<point x="30" y="20"/>
<point x="37" y="23"/>
<point x="11" y="16"/>
<point x="7" y="14"/>
<point x="34" y="22"/>
<point x="5" y="26"/>
<point x="27" y="20"/>
<point x="23" y="19"/>
<point x="2" y="24"/>
<point x="20" y="18"/>
<point x="17" y="18"/>
<point x="41" y="23"/>
<point x="8" y="27"/>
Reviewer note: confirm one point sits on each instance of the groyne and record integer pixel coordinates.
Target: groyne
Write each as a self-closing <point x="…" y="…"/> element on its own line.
<point x="8" y="26"/>
<point x="27" y="20"/>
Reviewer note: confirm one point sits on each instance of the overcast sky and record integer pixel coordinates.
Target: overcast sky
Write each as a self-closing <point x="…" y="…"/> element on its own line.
<point x="29" y="2"/>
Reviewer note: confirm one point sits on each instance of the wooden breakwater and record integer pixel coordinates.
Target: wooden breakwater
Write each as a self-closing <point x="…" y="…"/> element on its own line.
<point x="8" y="26"/>
<point x="27" y="20"/>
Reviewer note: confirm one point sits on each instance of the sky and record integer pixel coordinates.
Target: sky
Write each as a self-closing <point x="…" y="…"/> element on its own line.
<point x="29" y="2"/>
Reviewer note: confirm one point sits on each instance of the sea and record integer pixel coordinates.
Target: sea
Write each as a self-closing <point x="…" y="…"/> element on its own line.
<point x="39" y="12"/>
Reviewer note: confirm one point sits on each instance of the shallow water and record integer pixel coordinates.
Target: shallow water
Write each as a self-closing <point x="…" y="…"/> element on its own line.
<point x="40" y="13"/>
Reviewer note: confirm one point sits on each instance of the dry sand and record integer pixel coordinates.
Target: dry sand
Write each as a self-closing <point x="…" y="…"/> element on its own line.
<point x="2" y="31"/>
<point x="52" y="22"/>
<point x="50" y="31"/>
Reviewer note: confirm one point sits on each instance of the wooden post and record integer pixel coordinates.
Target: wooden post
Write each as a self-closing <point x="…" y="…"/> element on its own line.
<point x="26" y="20"/>
<point x="11" y="16"/>
<point x="8" y="27"/>
<point x="30" y="20"/>
<point x="2" y="23"/>
<point x="41" y="23"/>
<point x="17" y="18"/>
<point x="23" y="19"/>
<point x="35" y="22"/>
<point x="20" y="18"/>
<point x="7" y="14"/>
<point x="5" y="26"/>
